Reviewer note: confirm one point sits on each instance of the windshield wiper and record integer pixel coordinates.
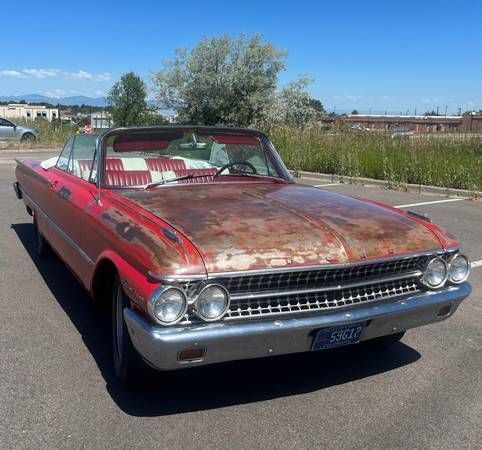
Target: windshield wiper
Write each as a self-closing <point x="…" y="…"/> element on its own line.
<point x="170" y="180"/>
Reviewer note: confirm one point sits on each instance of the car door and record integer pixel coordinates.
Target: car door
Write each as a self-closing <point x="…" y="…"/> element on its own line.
<point x="7" y="130"/>
<point x="71" y="193"/>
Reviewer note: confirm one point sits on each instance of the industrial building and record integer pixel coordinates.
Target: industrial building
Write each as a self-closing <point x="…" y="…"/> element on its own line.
<point x="468" y="123"/>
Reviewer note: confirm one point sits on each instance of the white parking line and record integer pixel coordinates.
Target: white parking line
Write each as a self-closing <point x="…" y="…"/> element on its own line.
<point x="431" y="203"/>
<point x="476" y="264"/>
<point x="312" y="179"/>
<point x="329" y="184"/>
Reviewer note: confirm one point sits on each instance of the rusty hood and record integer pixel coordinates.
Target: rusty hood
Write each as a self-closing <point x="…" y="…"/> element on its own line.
<point x="238" y="226"/>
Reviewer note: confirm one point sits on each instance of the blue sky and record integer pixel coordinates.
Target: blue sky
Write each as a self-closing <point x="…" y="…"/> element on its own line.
<point x="383" y="55"/>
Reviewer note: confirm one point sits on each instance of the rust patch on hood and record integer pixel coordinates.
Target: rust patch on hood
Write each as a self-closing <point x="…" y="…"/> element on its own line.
<point x="241" y="227"/>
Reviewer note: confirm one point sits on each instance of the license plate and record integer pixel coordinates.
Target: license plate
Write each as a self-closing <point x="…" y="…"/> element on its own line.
<point x="337" y="336"/>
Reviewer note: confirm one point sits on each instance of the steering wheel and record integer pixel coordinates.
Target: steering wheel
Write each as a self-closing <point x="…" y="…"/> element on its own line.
<point x="235" y="163"/>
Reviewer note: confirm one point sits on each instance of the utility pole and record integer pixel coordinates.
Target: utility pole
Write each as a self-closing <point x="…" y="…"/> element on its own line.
<point x="437" y="110"/>
<point x="445" y="110"/>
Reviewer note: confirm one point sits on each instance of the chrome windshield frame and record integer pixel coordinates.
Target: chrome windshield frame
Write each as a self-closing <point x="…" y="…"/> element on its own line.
<point x="268" y="147"/>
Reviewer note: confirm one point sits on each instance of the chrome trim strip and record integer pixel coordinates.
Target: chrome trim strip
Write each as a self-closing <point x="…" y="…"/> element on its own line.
<point x="256" y="295"/>
<point x="61" y="233"/>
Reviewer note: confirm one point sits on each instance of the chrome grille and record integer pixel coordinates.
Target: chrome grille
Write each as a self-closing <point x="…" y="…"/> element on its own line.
<point x="316" y="301"/>
<point x="313" y="278"/>
<point x="284" y="292"/>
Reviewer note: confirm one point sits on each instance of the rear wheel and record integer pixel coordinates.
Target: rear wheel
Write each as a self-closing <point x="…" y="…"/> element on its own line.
<point x="28" y="138"/>
<point x="128" y="364"/>
<point x="41" y="244"/>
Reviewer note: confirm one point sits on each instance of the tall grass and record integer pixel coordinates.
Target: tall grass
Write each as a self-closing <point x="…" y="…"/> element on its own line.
<point x="447" y="162"/>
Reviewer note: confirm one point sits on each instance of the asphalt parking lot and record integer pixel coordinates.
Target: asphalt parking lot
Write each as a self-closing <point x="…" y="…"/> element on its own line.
<point x="57" y="387"/>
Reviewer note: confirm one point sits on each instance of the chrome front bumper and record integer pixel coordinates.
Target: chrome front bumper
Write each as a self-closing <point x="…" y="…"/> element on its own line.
<point x="228" y="341"/>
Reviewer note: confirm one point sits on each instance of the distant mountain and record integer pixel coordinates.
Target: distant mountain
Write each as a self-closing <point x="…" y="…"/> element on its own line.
<point x="37" y="98"/>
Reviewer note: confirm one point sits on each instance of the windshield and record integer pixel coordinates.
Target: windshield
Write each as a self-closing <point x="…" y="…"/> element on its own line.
<point x="150" y="158"/>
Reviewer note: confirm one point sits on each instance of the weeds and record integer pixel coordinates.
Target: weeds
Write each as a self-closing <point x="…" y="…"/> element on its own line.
<point x="445" y="162"/>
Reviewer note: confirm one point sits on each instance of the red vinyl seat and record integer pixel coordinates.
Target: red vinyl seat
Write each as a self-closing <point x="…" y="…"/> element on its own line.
<point x="165" y="164"/>
<point x="85" y="165"/>
<point x="127" y="177"/>
<point x="114" y="164"/>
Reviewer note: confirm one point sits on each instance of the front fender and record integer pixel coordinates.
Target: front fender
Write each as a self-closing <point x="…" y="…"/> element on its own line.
<point x="137" y="286"/>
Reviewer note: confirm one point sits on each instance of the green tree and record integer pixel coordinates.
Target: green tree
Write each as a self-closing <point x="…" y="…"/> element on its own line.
<point x="127" y="99"/>
<point x="294" y="106"/>
<point x="223" y="80"/>
<point x="354" y="112"/>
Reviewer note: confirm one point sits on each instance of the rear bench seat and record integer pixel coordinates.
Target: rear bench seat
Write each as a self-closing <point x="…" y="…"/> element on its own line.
<point x="127" y="177"/>
<point x="140" y="171"/>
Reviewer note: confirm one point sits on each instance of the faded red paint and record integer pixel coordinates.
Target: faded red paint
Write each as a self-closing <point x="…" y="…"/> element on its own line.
<point x="252" y="226"/>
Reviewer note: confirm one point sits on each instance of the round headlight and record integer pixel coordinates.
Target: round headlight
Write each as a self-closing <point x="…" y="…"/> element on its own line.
<point x="459" y="268"/>
<point x="168" y="306"/>
<point x="212" y="302"/>
<point x="435" y="273"/>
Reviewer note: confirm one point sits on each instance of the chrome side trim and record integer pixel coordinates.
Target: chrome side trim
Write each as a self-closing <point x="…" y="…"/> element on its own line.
<point x="269" y="271"/>
<point x="60" y="232"/>
<point x="256" y="295"/>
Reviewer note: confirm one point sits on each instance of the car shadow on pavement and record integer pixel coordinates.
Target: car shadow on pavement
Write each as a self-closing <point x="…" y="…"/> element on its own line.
<point x="215" y="386"/>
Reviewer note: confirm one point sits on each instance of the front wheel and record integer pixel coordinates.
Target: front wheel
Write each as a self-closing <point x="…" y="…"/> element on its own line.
<point x="128" y="364"/>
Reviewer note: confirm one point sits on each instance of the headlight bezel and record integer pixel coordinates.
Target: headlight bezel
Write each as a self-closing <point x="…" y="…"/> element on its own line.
<point x="444" y="280"/>
<point x="157" y="294"/>
<point x="197" y="309"/>
<point x="452" y="259"/>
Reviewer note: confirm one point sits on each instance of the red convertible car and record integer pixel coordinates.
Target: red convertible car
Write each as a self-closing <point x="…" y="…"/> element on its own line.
<point x="208" y="251"/>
